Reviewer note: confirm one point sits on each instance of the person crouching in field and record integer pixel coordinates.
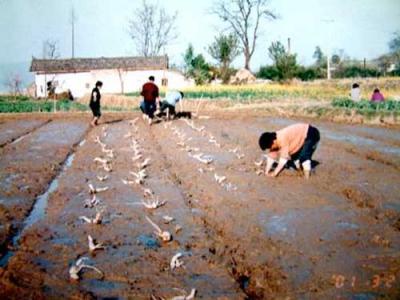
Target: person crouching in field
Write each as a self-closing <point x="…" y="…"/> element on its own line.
<point x="95" y="103"/>
<point x="377" y="96"/>
<point x="169" y="103"/>
<point x="296" y="142"/>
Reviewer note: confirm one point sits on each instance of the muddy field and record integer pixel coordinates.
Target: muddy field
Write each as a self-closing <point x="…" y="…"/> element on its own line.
<point x="335" y="236"/>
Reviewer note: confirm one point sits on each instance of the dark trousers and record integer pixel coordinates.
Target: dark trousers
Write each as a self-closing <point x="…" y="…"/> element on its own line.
<point x="150" y="108"/>
<point x="310" y="144"/>
<point x="95" y="110"/>
<point x="171" y="108"/>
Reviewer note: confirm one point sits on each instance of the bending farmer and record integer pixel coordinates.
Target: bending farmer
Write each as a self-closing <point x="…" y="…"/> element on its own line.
<point x="296" y="142"/>
<point x="170" y="101"/>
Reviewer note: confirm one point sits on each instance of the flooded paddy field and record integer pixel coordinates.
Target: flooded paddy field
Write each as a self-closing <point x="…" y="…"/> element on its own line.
<point x="234" y="234"/>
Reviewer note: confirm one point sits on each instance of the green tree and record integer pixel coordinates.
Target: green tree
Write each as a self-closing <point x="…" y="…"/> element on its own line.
<point x="384" y="63"/>
<point x="320" y="58"/>
<point x="188" y="59"/>
<point x="394" y="46"/>
<point x="196" y="66"/>
<point x="335" y="59"/>
<point x="224" y="50"/>
<point x="284" y="62"/>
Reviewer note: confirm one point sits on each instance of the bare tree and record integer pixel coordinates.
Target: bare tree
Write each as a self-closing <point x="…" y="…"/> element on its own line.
<point x="244" y="18"/>
<point x="122" y="71"/>
<point x="51" y="49"/>
<point x="151" y="29"/>
<point x="14" y="84"/>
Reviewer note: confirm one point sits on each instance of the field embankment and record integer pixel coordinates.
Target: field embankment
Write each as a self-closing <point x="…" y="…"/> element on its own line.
<point x="325" y="100"/>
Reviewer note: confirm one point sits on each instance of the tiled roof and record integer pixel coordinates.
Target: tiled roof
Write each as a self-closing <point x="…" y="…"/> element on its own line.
<point x="102" y="63"/>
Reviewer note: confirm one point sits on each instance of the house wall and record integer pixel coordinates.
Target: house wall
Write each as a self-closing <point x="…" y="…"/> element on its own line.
<point x="76" y="82"/>
<point x="82" y="83"/>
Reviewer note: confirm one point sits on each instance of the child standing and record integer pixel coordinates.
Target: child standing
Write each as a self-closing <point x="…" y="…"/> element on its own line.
<point x="95" y="103"/>
<point x="296" y="142"/>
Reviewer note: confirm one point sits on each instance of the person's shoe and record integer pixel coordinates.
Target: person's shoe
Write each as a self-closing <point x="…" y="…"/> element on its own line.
<point x="297" y="164"/>
<point x="307" y="168"/>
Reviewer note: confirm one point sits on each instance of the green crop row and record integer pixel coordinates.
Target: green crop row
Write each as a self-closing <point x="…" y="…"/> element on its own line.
<point x="365" y="105"/>
<point x="40" y="106"/>
<point x="242" y="95"/>
<point x="7" y="98"/>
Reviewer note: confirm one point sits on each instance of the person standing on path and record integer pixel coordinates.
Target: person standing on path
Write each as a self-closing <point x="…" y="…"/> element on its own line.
<point x="150" y="95"/>
<point x="95" y="103"/>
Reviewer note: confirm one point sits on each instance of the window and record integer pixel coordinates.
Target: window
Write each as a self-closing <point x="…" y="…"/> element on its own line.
<point x="164" y="81"/>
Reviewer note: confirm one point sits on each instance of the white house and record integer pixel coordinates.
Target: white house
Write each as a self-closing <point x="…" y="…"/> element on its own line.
<point x="118" y="74"/>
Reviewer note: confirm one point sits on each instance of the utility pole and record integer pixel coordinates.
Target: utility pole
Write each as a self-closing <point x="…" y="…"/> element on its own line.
<point x="288" y="45"/>
<point x="328" y="64"/>
<point x="72" y="20"/>
<point x="365" y="66"/>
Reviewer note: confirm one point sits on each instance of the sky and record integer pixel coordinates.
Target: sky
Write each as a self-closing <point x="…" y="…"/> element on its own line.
<point x="362" y="28"/>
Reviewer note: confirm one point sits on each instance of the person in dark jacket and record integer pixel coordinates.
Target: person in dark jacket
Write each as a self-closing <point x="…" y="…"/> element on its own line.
<point x="95" y="103"/>
<point x="150" y="96"/>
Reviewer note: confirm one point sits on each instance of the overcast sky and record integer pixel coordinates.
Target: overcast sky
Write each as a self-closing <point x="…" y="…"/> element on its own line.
<point x="362" y="28"/>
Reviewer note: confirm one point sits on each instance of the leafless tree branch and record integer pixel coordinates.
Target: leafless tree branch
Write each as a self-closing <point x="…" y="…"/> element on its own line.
<point x="51" y="49"/>
<point x="244" y="18"/>
<point x="14" y="84"/>
<point x="152" y="28"/>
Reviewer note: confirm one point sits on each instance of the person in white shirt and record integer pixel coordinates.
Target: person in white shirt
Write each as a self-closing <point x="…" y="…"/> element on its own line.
<point x="355" y="92"/>
<point x="170" y="101"/>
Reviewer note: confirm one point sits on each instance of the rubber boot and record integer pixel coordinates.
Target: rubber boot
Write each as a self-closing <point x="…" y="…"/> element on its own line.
<point x="307" y="168"/>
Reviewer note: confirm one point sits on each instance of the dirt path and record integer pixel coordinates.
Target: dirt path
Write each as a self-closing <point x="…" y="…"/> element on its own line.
<point x="334" y="236"/>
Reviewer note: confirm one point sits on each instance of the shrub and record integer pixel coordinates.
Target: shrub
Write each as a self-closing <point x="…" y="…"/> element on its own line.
<point x="355" y="71"/>
<point x="268" y="72"/>
<point x="307" y="74"/>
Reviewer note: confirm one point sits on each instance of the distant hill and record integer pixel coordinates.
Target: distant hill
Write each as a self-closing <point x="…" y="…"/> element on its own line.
<point x="20" y="68"/>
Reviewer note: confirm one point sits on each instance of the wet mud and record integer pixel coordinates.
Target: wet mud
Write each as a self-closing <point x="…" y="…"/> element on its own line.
<point x="241" y="235"/>
<point x="14" y="130"/>
<point x="27" y="168"/>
